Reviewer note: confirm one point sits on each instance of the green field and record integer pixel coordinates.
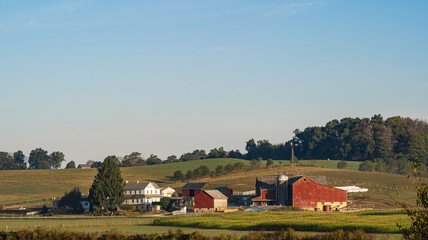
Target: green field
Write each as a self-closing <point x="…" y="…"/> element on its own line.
<point x="126" y="225"/>
<point x="370" y="221"/>
<point x="19" y="186"/>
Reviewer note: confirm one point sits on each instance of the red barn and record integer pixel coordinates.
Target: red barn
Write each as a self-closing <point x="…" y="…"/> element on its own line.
<point x="265" y="190"/>
<point x="301" y="191"/>
<point x="190" y="190"/>
<point x="210" y="201"/>
<point x="305" y="193"/>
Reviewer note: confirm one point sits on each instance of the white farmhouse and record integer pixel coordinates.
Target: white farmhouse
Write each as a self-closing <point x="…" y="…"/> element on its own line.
<point x="141" y="195"/>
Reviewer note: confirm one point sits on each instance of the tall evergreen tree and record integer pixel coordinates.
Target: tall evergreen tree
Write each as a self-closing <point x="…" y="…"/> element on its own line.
<point x="107" y="190"/>
<point x="72" y="199"/>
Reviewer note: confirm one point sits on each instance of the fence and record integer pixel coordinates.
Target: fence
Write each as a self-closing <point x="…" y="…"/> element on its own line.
<point x="245" y="193"/>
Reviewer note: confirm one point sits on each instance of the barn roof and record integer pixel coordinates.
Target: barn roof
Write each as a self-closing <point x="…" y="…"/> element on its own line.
<point x="266" y="182"/>
<point x="269" y="182"/>
<point x="267" y="179"/>
<point x="195" y="185"/>
<point x="291" y="181"/>
<point x="216" y="194"/>
<point x="139" y="185"/>
<point x="319" y="179"/>
<point x="221" y="188"/>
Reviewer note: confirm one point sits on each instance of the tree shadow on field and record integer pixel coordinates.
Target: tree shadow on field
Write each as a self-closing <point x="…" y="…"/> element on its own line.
<point x="383" y="213"/>
<point x="155" y="181"/>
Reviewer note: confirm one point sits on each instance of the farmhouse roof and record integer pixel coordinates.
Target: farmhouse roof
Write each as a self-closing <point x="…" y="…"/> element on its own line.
<point x="195" y="185"/>
<point x="139" y="185"/>
<point x="139" y="196"/>
<point x="82" y="165"/>
<point x="216" y="194"/>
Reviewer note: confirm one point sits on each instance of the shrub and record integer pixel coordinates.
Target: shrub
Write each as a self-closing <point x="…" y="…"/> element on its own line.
<point x="367" y="166"/>
<point x="229" y="168"/>
<point x="219" y="170"/>
<point x="238" y="166"/>
<point x="419" y="216"/>
<point x="341" y="165"/>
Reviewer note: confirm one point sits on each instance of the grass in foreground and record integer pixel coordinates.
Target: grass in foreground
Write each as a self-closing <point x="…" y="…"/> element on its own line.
<point x="369" y="221"/>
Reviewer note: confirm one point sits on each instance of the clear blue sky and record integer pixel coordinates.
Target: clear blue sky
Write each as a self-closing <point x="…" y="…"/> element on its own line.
<point x="97" y="78"/>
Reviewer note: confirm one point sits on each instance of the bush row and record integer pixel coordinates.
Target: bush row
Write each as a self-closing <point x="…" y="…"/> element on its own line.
<point x="289" y="234"/>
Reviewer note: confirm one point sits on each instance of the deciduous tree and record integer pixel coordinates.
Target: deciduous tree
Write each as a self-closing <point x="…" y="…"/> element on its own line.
<point x="56" y="158"/>
<point x="71" y="164"/>
<point x="39" y="159"/>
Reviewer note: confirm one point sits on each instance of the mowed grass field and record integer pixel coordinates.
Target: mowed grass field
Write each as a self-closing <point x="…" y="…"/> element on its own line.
<point x="19" y="186"/>
<point x="126" y="225"/>
<point x="370" y="221"/>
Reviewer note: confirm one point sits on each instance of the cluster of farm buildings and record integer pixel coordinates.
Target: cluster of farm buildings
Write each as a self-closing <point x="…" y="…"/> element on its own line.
<point x="309" y="193"/>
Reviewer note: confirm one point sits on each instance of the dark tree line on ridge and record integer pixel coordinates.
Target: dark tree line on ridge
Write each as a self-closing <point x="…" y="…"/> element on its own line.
<point x="38" y="159"/>
<point x="386" y="145"/>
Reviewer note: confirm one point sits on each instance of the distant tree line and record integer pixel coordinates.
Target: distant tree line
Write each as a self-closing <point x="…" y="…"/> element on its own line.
<point x="204" y="171"/>
<point x="38" y="159"/>
<point x="388" y="145"/>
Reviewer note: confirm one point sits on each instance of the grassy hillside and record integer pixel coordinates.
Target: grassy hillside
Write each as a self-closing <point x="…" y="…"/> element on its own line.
<point x="30" y="185"/>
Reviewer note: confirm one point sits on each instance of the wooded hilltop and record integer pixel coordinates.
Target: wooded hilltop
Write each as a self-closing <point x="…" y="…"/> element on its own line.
<point x="382" y="145"/>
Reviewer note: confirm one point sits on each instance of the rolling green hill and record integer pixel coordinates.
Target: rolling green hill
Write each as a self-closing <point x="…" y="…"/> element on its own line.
<point x="31" y="185"/>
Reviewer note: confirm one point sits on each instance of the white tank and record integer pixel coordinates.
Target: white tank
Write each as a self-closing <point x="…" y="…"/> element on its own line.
<point x="281" y="189"/>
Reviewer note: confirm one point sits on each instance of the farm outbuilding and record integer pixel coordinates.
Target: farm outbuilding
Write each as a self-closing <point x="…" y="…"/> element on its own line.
<point x="301" y="191"/>
<point x="190" y="190"/>
<point x="210" y="201"/>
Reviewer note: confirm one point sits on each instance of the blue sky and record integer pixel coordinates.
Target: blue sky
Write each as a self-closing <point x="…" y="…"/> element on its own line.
<point x="97" y="78"/>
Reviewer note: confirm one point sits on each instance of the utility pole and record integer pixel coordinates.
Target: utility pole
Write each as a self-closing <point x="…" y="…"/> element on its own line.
<point x="293" y="167"/>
